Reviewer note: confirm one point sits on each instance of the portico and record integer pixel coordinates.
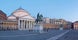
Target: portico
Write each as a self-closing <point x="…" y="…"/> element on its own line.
<point x="25" y="24"/>
<point x="24" y="19"/>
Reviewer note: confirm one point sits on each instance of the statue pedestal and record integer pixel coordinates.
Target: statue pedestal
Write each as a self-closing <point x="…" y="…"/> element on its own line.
<point x="38" y="28"/>
<point x="60" y="28"/>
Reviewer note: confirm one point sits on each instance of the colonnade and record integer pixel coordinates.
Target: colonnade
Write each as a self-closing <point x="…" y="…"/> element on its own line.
<point x="25" y="24"/>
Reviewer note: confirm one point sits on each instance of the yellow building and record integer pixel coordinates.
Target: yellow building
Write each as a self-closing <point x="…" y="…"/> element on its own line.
<point x="50" y="26"/>
<point x="9" y="25"/>
<point x="57" y="23"/>
<point x="75" y="24"/>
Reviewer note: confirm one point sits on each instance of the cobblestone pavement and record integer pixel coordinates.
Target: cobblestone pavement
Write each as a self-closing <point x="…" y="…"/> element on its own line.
<point x="71" y="35"/>
<point x="25" y="35"/>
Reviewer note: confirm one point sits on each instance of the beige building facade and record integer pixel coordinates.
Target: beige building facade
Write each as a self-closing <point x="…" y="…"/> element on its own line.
<point x="57" y="24"/>
<point x="9" y="25"/>
<point x="75" y="24"/>
<point x="24" y="20"/>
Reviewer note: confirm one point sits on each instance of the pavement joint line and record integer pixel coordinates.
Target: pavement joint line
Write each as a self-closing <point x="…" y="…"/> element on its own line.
<point x="58" y="36"/>
<point x="18" y="35"/>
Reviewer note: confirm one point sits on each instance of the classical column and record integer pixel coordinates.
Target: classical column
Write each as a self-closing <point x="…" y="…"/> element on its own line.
<point x="24" y="25"/>
<point x="21" y="24"/>
<point x="30" y="24"/>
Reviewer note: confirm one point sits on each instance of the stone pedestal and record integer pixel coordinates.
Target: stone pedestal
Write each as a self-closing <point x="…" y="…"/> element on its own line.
<point x="60" y="28"/>
<point x="38" y="28"/>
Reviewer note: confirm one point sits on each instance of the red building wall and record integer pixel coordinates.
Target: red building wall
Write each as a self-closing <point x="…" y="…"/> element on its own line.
<point x="3" y="15"/>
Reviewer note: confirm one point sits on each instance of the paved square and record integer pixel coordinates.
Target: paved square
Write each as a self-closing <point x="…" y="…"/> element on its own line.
<point x="25" y="35"/>
<point x="71" y="35"/>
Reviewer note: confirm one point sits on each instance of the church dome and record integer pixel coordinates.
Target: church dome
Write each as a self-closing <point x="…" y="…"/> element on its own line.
<point x="20" y="12"/>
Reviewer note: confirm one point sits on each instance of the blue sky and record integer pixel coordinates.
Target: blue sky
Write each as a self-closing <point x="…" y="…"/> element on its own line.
<point x="66" y="9"/>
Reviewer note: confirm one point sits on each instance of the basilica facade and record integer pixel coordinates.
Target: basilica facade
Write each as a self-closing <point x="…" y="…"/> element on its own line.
<point x="24" y="20"/>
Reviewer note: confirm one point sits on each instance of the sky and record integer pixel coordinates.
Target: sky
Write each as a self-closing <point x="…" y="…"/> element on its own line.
<point x="64" y="9"/>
